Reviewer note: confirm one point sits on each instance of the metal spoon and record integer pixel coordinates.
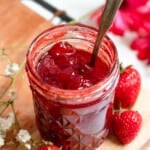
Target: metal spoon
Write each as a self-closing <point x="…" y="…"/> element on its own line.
<point x="106" y="20"/>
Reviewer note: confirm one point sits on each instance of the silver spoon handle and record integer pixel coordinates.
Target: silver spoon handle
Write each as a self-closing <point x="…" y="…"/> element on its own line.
<point x="106" y="20"/>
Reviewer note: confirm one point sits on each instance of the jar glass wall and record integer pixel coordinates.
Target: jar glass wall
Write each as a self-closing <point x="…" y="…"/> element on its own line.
<point x="74" y="119"/>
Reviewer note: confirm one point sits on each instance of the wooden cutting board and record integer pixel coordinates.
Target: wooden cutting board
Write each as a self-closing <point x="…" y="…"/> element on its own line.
<point x="18" y="27"/>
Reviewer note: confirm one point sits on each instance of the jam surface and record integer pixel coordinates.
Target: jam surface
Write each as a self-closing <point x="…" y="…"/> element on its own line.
<point x="82" y="128"/>
<point x="66" y="67"/>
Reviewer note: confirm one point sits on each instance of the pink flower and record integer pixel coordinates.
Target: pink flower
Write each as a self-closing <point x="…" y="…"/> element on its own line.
<point x="119" y="26"/>
<point x="132" y="4"/>
<point x="133" y="16"/>
<point x="130" y="16"/>
<point x="142" y="46"/>
<point x="138" y="19"/>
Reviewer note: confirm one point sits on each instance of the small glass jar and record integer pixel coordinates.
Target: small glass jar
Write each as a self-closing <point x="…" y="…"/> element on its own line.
<point x="73" y="119"/>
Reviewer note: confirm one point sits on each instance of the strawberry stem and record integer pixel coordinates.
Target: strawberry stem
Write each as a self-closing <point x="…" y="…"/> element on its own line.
<point x="120" y="110"/>
<point x="122" y="69"/>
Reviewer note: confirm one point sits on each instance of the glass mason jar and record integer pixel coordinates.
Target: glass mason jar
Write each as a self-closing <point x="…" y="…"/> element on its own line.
<point x="73" y="119"/>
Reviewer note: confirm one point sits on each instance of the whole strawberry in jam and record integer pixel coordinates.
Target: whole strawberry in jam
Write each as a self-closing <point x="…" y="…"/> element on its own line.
<point x="61" y="49"/>
<point x="48" y="147"/>
<point x="126" y="125"/>
<point x="128" y="88"/>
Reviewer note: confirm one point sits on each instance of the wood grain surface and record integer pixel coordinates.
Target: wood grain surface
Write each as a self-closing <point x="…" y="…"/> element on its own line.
<point x="18" y="27"/>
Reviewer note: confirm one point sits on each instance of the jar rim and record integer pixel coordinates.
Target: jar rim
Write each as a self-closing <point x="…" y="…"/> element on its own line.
<point x="69" y="93"/>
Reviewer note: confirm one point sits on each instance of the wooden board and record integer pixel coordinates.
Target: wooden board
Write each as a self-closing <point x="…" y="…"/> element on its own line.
<point x="19" y="26"/>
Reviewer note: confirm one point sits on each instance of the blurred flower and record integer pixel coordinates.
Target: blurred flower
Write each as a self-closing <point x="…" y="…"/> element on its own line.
<point x="133" y="16"/>
<point x="142" y="46"/>
<point x="11" y="69"/>
<point x="23" y="136"/>
<point x="6" y="123"/>
<point x="2" y="141"/>
<point x="129" y="16"/>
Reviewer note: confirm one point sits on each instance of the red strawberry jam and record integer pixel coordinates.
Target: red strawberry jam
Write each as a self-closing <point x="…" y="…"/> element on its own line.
<point x="72" y="100"/>
<point x="66" y="67"/>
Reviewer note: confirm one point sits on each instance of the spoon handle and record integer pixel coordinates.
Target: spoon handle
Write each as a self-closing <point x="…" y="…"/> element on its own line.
<point x="106" y="20"/>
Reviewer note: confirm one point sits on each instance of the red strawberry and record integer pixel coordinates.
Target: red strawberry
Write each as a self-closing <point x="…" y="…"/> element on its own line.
<point x="128" y="88"/>
<point x="48" y="147"/>
<point x="126" y="125"/>
<point x="61" y="49"/>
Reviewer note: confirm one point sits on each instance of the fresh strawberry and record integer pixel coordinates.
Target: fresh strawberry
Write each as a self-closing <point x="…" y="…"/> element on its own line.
<point x="128" y="88"/>
<point x="48" y="147"/>
<point x="126" y="125"/>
